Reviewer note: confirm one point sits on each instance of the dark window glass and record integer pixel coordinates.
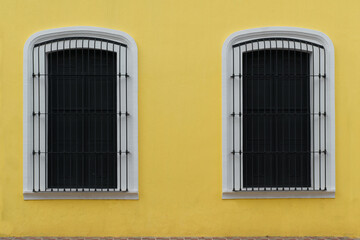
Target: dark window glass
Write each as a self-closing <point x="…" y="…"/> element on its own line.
<point x="276" y="123"/>
<point x="82" y="119"/>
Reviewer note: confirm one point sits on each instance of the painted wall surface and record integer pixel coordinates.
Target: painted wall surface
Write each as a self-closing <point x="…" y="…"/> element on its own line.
<point x="179" y="45"/>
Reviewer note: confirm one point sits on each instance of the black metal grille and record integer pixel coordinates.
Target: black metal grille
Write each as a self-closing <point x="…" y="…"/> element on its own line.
<point x="278" y="115"/>
<point x="80" y="115"/>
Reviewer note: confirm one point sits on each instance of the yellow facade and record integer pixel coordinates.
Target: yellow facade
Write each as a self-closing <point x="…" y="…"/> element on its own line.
<point x="179" y="45"/>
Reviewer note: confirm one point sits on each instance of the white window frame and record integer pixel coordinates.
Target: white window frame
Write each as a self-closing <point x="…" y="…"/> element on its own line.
<point x="227" y="71"/>
<point x="132" y="70"/>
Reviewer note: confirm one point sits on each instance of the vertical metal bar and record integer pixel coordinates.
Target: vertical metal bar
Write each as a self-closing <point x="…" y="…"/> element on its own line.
<point x="126" y="117"/>
<point x="308" y="119"/>
<point x="258" y="110"/>
<point x="50" y="117"/>
<point x="265" y="121"/>
<point x="289" y="113"/>
<point x="253" y="115"/>
<point x="69" y="118"/>
<point x="76" y="116"/>
<point x="83" y="115"/>
<point x="313" y="114"/>
<point x="57" y="117"/>
<point x="325" y="114"/>
<point x="86" y="82"/>
<point x="302" y="116"/>
<point x="101" y="120"/>
<point x="108" y="116"/>
<point x="114" y="122"/>
<point x="240" y="117"/>
<point x="33" y="113"/>
<point x="120" y="120"/>
<point x="89" y="117"/>
<point x="233" y="117"/>
<point x="39" y="106"/>
<point x="246" y="143"/>
<point x="271" y="116"/>
<point x="95" y="117"/>
<point x="295" y="116"/>
<point x="276" y="118"/>
<point x="49" y="101"/>
<point x="283" y="78"/>
<point x="319" y="119"/>
<point x="45" y="115"/>
<point x="64" y="116"/>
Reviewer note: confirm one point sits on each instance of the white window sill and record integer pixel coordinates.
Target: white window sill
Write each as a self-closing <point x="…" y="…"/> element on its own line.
<point x="279" y="194"/>
<point x="80" y="195"/>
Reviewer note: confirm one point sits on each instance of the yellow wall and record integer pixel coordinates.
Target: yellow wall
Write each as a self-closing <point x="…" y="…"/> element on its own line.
<point x="179" y="45"/>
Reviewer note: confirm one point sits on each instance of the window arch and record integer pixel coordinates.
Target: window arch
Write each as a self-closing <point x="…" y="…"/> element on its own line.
<point x="80" y="114"/>
<point x="278" y="114"/>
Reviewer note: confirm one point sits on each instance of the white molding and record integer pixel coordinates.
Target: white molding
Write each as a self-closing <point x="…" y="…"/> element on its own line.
<point x="81" y="195"/>
<point x="286" y="32"/>
<point x="280" y="194"/>
<point x="80" y="31"/>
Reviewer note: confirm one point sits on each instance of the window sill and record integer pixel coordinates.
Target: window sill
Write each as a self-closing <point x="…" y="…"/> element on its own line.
<point x="80" y="195"/>
<point x="282" y="194"/>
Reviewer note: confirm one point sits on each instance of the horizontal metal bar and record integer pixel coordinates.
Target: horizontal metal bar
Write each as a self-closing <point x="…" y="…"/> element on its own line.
<point x="280" y="188"/>
<point x="278" y="113"/>
<point x="278" y="39"/>
<point x="80" y="75"/>
<point x="81" y="190"/>
<point x="282" y="152"/>
<point x="79" y="38"/>
<point x="279" y="75"/>
<point x="61" y="153"/>
<point x="70" y="112"/>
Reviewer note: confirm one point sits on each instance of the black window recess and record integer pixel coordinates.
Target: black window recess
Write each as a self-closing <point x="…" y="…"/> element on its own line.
<point x="278" y="115"/>
<point x="80" y="117"/>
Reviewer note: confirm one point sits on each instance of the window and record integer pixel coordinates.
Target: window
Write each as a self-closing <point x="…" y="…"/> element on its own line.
<point x="278" y="114"/>
<point x="80" y="114"/>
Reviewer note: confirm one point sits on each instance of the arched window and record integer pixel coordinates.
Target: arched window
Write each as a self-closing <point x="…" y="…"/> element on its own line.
<point x="80" y="114"/>
<point x="278" y="114"/>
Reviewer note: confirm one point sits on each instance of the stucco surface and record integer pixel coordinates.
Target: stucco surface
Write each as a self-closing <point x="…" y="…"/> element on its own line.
<point x="179" y="45"/>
